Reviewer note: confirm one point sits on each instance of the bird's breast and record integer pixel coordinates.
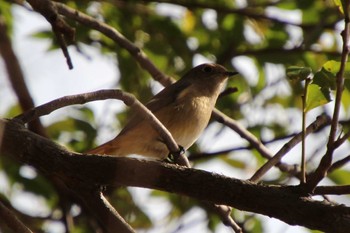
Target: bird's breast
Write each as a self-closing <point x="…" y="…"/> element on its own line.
<point x="189" y="118"/>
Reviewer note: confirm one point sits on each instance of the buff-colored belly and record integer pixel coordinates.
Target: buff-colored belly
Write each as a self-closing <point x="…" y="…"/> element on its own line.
<point x="189" y="118"/>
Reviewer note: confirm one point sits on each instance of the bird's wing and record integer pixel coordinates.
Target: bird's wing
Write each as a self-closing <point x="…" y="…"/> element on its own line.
<point x="167" y="96"/>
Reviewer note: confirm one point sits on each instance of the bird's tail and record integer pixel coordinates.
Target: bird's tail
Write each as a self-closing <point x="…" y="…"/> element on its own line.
<point x="97" y="150"/>
<point x="104" y="149"/>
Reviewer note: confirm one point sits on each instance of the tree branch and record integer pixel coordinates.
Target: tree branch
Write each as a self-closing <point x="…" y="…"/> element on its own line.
<point x="112" y="33"/>
<point x="77" y="170"/>
<point x="339" y="164"/>
<point x="12" y="221"/>
<point x="109" y="218"/>
<point x="254" y="142"/>
<point x="145" y="63"/>
<point x="248" y="12"/>
<point x="332" y="190"/>
<point x="319" y="122"/>
<point x="60" y="28"/>
<point x="131" y="101"/>
<point x="127" y="98"/>
<point x="16" y="77"/>
<point x="326" y="160"/>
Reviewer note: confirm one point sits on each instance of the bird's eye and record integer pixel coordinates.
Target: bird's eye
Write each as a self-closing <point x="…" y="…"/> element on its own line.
<point x="207" y="69"/>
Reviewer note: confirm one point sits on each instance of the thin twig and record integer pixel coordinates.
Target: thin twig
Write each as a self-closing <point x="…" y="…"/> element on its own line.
<point x="326" y="160"/>
<point x="303" y="133"/>
<point x="224" y="212"/>
<point x="116" y="36"/>
<point x="108" y="217"/>
<point x="203" y="155"/>
<point x="197" y="156"/>
<point x="235" y="126"/>
<point x="342" y="139"/>
<point x="319" y="122"/>
<point x="248" y="12"/>
<point x="127" y="98"/>
<point x="332" y="190"/>
<point x="254" y="142"/>
<point x="340" y="163"/>
<point x="60" y="28"/>
<point x="281" y="50"/>
<point x="228" y="91"/>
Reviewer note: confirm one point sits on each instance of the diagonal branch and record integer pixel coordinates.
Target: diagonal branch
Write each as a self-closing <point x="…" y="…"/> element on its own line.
<point x="12" y="221"/>
<point x="112" y="33"/>
<point x="108" y="217"/>
<point x="319" y="122"/>
<point x="127" y="98"/>
<point x="254" y="142"/>
<point x="338" y="164"/>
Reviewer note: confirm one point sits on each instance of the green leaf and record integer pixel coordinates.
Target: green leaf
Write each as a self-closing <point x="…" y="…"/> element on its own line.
<point x="234" y="162"/>
<point x="296" y="73"/>
<point x="339" y="4"/>
<point x="324" y="79"/>
<point x="75" y="133"/>
<point x="189" y="22"/>
<point x="340" y="176"/>
<point x="38" y="185"/>
<point x="316" y="97"/>
<point x="6" y="15"/>
<point x="13" y="111"/>
<point x="334" y="67"/>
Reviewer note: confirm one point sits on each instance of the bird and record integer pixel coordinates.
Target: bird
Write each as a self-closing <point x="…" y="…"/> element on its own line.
<point x="184" y="108"/>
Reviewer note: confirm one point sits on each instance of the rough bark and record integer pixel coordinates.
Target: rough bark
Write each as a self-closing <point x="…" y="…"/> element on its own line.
<point x="80" y="171"/>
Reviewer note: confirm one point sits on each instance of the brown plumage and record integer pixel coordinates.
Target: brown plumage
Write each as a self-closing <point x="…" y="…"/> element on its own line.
<point x="184" y="108"/>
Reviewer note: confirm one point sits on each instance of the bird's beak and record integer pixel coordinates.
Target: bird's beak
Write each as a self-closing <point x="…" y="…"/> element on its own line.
<point x="231" y="73"/>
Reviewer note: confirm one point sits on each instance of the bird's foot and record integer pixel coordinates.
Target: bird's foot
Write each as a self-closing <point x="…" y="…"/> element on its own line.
<point x="173" y="157"/>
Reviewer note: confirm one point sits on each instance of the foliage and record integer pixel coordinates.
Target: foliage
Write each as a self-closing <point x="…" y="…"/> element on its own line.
<point x="281" y="54"/>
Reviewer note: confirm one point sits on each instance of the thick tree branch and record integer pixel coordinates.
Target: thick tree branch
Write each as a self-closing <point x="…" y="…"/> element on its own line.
<point x="131" y="101"/>
<point x="76" y="170"/>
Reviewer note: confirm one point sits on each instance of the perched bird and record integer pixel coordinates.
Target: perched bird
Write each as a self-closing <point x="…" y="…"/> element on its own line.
<point x="184" y="108"/>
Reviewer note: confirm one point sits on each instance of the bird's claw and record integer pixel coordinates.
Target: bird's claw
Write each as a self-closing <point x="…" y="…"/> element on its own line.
<point x="174" y="156"/>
